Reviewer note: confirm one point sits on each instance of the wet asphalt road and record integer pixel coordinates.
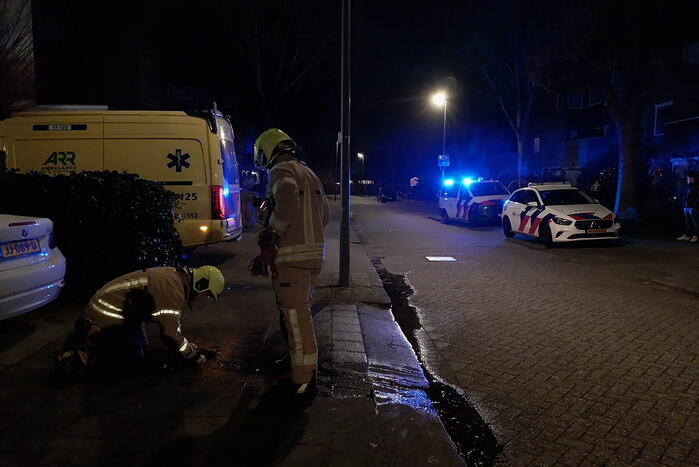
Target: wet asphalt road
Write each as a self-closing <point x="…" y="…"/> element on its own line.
<point x="571" y="354"/>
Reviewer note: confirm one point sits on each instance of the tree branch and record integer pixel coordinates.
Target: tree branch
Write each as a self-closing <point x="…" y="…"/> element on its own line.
<point x="498" y="94"/>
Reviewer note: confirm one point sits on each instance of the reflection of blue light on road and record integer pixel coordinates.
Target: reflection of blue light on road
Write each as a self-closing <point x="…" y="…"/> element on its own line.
<point x="449" y="182"/>
<point x="414" y="398"/>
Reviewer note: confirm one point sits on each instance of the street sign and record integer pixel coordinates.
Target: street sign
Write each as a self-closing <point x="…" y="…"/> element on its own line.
<point x="443" y="160"/>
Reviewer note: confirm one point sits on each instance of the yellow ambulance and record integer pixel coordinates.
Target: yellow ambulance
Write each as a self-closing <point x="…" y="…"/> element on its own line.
<point x="191" y="155"/>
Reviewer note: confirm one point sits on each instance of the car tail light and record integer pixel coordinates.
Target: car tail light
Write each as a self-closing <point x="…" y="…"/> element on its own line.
<point x="218" y="202"/>
<point x="52" y="241"/>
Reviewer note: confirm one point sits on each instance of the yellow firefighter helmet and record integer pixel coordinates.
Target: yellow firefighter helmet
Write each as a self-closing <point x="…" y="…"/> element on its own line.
<point x="270" y="144"/>
<point x="208" y="279"/>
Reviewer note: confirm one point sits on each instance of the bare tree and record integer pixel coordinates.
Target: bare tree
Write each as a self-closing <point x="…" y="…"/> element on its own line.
<point x="16" y="56"/>
<point x="614" y="47"/>
<point x="511" y="51"/>
<point x="283" y="43"/>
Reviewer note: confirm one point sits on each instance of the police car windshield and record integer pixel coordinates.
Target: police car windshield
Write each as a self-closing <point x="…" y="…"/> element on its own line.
<point x="565" y="197"/>
<point x="488" y="189"/>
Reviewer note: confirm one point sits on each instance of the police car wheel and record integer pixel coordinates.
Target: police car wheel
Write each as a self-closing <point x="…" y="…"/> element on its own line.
<point x="545" y="236"/>
<point x="445" y="216"/>
<point x="507" y="227"/>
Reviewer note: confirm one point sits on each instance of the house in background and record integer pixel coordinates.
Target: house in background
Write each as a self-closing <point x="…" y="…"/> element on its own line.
<point x="676" y="116"/>
<point x="573" y="133"/>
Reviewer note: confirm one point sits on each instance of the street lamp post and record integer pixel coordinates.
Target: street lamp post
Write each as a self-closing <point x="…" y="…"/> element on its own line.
<point x="360" y="156"/>
<point x="440" y="100"/>
<point x="345" y="154"/>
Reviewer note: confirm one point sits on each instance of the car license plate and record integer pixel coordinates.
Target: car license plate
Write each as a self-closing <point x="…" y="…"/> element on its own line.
<point x="596" y="231"/>
<point x="24" y="247"/>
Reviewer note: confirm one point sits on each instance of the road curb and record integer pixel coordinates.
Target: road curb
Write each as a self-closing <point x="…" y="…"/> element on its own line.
<point x="678" y="288"/>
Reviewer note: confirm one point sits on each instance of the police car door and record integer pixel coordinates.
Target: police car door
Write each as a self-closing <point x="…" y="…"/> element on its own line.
<point x="511" y="208"/>
<point x="462" y="203"/>
<point x="529" y="213"/>
<point x="515" y="209"/>
<point x="448" y="199"/>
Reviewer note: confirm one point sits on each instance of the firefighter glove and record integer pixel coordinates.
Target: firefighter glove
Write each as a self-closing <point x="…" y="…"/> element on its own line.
<point x="263" y="262"/>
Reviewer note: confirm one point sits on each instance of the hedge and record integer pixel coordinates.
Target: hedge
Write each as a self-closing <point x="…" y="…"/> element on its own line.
<point x="105" y="223"/>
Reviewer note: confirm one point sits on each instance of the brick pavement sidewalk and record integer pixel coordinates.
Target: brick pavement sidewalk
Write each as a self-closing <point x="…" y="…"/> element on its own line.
<point x="228" y="412"/>
<point x="357" y="334"/>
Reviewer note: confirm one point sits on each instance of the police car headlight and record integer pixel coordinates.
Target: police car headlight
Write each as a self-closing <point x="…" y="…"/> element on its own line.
<point x="561" y="221"/>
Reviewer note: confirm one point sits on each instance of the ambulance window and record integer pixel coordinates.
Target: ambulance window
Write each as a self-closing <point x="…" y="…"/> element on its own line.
<point x="230" y="163"/>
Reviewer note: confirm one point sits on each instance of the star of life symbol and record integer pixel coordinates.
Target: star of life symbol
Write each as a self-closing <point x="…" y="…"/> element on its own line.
<point x="178" y="160"/>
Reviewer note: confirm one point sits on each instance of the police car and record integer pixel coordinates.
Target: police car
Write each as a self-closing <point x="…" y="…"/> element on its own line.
<point x="474" y="201"/>
<point x="557" y="212"/>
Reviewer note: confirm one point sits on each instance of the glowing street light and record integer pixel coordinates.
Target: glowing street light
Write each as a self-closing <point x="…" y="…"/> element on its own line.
<point x="439" y="99"/>
<point x="360" y="156"/>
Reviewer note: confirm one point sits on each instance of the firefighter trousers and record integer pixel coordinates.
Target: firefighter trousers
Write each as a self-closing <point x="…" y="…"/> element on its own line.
<point x="293" y="288"/>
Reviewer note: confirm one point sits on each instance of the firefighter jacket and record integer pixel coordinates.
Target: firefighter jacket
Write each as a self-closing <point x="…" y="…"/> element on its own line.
<point x="300" y="214"/>
<point x="168" y="288"/>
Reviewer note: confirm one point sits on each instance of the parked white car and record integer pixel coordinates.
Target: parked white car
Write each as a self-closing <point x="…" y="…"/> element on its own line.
<point x="557" y="212"/>
<point x="474" y="201"/>
<point x="32" y="269"/>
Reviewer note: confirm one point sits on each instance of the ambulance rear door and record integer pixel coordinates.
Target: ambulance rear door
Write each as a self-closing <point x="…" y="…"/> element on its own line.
<point x="228" y="162"/>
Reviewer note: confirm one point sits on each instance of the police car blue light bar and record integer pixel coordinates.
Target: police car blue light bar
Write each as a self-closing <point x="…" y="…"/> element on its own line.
<point x="467" y="181"/>
<point x="449" y="182"/>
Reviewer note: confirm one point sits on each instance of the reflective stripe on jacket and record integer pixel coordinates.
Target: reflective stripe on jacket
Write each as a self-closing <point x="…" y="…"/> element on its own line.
<point x="168" y="288"/>
<point x="300" y="214"/>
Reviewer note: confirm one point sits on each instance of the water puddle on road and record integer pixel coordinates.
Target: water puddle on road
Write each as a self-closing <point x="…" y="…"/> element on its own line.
<point x="473" y="436"/>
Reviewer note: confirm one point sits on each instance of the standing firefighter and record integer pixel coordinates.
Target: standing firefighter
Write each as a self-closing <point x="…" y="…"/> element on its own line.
<point x="292" y="245"/>
<point x="112" y="326"/>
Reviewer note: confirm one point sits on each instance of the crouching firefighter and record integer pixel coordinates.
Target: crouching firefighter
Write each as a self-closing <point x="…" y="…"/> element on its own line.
<point x="292" y="245"/>
<point x="112" y="326"/>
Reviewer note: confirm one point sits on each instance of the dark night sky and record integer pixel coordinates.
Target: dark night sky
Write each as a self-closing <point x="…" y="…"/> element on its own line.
<point x="181" y="54"/>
